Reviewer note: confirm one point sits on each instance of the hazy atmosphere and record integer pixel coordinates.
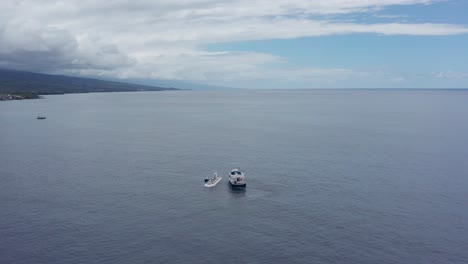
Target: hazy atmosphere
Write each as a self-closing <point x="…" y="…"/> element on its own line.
<point x="244" y="44"/>
<point x="260" y="132"/>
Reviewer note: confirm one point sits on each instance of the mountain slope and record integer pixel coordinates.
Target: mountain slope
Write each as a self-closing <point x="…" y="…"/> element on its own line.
<point x="177" y="83"/>
<point x="12" y="81"/>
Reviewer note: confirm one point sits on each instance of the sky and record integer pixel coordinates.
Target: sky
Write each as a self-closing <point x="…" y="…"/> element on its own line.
<point x="264" y="44"/>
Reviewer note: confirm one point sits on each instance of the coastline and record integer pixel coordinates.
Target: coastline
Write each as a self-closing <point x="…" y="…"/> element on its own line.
<point x="19" y="96"/>
<point x="28" y="96"/>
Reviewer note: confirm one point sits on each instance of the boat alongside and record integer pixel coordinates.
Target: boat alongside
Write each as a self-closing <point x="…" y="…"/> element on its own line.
<point x="237" y="178"/>
<point x="211" y="182"/>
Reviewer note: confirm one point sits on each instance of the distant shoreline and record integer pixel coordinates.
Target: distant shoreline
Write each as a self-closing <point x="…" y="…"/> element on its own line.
<point x="19" y="96"/>
<point x="19" y="85"/>
<point x="28" y="96"/>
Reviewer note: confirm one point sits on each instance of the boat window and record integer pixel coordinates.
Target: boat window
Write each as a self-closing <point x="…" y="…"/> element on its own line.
<point x="233" y="173"/>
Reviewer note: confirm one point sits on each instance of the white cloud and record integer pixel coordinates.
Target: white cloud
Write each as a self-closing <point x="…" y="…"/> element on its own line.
<point x="162" y="39"/>
<point x="450" y="75"/>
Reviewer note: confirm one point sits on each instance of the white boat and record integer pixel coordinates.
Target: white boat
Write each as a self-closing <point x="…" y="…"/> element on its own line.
<point x="237" y="178"/>
<point x="211" y="182"/>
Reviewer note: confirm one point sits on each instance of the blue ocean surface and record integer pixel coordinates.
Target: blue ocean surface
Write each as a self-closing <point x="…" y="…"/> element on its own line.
<point x="333" y="176"/>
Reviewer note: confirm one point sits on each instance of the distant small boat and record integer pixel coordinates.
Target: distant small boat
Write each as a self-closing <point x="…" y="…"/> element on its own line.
<point x="41" y="117"/>
<point x="211" y="182"/>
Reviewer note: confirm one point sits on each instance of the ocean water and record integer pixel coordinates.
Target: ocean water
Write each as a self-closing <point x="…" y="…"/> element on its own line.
<point x="333" y="176"/>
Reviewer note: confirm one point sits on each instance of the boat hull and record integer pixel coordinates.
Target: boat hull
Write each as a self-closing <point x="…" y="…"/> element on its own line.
<point x="236" y="185"/>
<point x="210" y="184"/>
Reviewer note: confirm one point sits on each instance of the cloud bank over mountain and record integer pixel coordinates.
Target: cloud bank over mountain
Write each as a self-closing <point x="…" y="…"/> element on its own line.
<point x="165" y="39"/>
